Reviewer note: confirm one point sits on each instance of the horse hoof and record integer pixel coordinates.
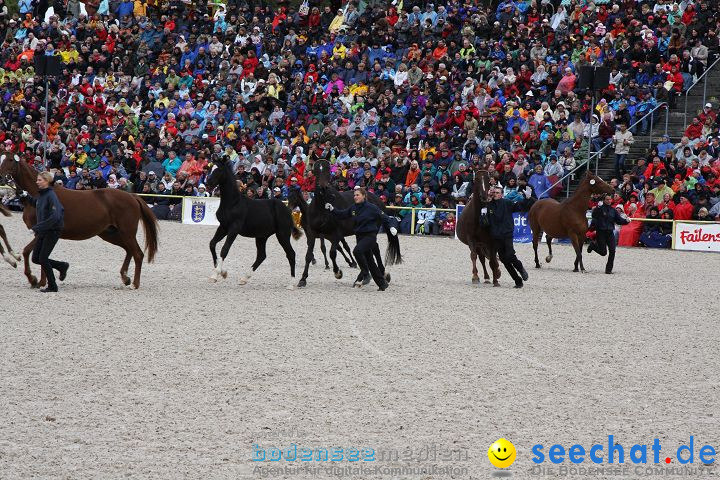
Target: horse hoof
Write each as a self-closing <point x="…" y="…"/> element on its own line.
<point x="338" y="274"/>
<point x="302" y="283"/>
<point x="224" y="274"/>
<point x="487" y="281"/>
<point x="576" y="270"/>
<point x="16" y="255"/>
<point x="548" y="259"/>
<point x="496" y="284"/>
<point x="476" y="280"/>
<point x="327" y="267"/>
<point x="126" y="281"/>
<point x="357" y="285"/>
<point x="387" y="277"/>
<point x="352" y="265"/>
<point x="537" y="265"/>
<point x="314" y="261"/>
<point x="212" y="279"/>
<point x="135" y="287"/>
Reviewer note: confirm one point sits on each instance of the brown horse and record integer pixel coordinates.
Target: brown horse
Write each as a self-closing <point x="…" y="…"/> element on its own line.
<point x="565" y="219"/>
<point x="111" y="214"/>
<point x="11" y="257"/>
<point x="478" y="238"/>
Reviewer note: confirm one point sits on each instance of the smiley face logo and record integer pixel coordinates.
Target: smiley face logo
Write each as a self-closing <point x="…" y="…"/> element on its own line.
<point x="502" y="453"/>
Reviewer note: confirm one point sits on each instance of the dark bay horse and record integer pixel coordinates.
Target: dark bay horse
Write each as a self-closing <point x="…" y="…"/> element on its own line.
<point x="565" y="219"/>
<point x="323" y="224"/>
<point x="110" y="214"/>
<point x="296" y="200"/>
<point x="476" y="237"/>
<point x="254" y="218"/>
<point x="11" y="257"/>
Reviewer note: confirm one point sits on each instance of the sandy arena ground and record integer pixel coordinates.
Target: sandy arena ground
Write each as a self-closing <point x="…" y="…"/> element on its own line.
<point x="181" y="378"/>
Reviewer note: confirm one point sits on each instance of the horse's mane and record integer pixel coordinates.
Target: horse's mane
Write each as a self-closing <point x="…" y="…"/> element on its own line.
<point x="228" y="187"/>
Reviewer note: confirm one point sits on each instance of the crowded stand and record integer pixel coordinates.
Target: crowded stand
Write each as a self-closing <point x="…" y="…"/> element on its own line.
<point x="406" y="99"/>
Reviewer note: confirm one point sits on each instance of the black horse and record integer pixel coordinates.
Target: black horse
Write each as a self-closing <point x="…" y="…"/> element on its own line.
<point x="257" y="218"/>
<point x="296" y="200"/>
<point x="323" y="224"/>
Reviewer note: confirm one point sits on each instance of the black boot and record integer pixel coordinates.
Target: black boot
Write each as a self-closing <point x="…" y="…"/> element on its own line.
<point x="519" y="284"/>
<point x="63" y="271"/>
<point x="49" y="290"/>
<point x="524" y="274"/>
<point x="590" y="247"/>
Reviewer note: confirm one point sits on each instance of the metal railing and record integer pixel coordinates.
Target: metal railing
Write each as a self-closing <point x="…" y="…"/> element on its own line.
<point x="597" y="155"/>
<point x="702" y="77"/>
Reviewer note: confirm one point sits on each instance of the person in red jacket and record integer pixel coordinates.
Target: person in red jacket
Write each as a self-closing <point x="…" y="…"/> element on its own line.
<point x="683" y="210"/>
<point x="676" y="77"/>
<point x="707" y="112"/>
<point x="694" y="130"/>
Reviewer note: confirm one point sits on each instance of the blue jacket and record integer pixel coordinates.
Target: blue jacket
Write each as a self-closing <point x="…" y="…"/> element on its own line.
<point x="50" y="212"/>
<point x="500" y="213"/>
<point x="366" y="217"/>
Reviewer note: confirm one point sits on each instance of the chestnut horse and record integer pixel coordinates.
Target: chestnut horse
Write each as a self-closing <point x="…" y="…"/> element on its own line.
<point x="475" y="236"/>
<point x="565" y="219"/>
<point x="11" y="257"/>
<point x="110" y="214"/>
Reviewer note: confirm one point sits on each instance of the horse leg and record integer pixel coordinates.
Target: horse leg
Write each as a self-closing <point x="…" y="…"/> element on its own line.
<point x="580" y="241"/>
<point x="116" y="240"/>
<point x="486" y="276"/>
<point x="473" y="259"/>
<point x="289" y="253"/>
<point x="333" y="257"/>
<point x="219" y="270"/>
<point x="578" y="251"/>
<point x="535" y="241"/>
<point x="260" y="256"/>
<point x="548" y="239"/>
<point x="346" y="247"/>
<point x="11" y="257"/>
<point x="32" y="279"/>
<point x="324" y="252"/>
<point x="308" y="258"/>
<point x="220" y="233"/>
<point x="495" y="267"/>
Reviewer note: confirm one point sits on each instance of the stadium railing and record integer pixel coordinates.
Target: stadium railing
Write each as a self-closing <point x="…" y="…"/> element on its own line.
<point x="598" y="155"/>
<point x="704" y="78"/>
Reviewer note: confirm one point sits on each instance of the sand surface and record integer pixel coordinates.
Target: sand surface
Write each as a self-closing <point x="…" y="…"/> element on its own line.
<point x="181" y="378"/>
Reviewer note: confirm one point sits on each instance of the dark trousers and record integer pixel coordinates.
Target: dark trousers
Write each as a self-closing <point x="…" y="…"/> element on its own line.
<point x="376" y="256"/>
<point x="363" y="251"/>
<point x="506" y="252"/>
<point x="44" y="244"/>
<point x="605" y="245"/>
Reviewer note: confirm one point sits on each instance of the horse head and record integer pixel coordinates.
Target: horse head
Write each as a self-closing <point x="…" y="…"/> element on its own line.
<point x="481" y="185"/>
<point x="9" y="165"/>
<point x="217" y="173"/>
<point x="321" y="170"/>
<point x="595" y="184"/>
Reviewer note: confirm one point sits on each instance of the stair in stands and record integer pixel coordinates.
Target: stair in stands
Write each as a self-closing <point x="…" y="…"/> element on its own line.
<point x="675" y="128"/>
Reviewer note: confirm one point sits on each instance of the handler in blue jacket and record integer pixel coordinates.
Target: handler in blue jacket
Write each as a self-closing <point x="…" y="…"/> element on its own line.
<point x="50" y="215"/>
<point x="499" y="212"/>
<point x="366" y="218"/>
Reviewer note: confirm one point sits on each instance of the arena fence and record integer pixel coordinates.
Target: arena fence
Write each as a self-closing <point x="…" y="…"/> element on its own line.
<point x="693" y="235"/>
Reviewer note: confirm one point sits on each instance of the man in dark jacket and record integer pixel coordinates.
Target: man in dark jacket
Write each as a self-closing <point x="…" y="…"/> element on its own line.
<point x="499" y="213"/>
<point x="604" y="218"/>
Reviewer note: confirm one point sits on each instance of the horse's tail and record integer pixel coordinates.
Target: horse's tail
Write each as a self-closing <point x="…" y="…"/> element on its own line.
<point x="5" y="211"/>
<point x="150" y="225"/>
<point x="296" y="232"/>
<point x="392" y="254"/>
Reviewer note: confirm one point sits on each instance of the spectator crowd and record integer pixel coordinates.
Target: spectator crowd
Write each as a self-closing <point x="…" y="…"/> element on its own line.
<point x="405" y="98"/>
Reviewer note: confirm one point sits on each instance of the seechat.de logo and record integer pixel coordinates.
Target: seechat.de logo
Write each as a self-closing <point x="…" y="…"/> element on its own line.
<point x="502" y="453"/>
